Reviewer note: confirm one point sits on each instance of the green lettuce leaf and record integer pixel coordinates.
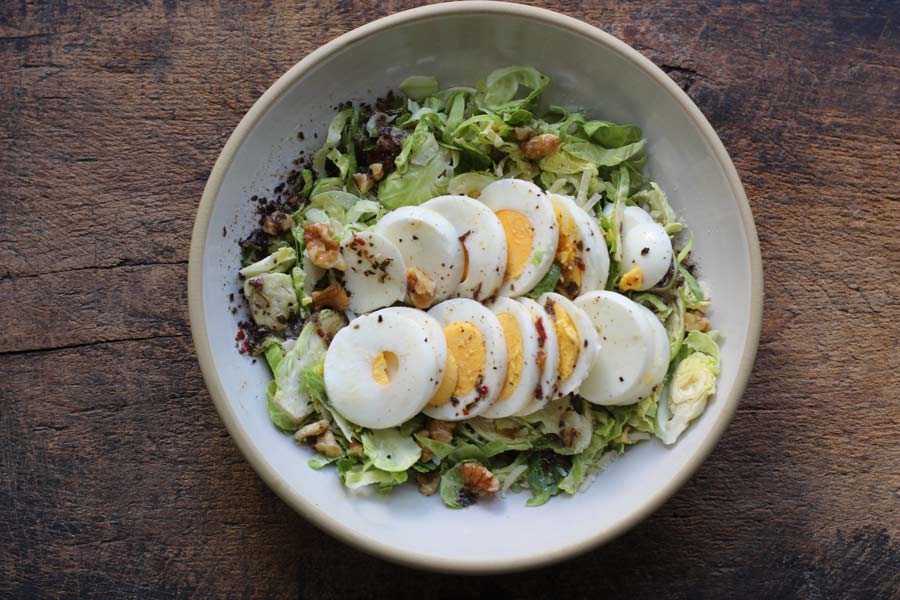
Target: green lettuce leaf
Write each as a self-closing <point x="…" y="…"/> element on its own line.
<point x="390" y="450"/>
<point x="279" y="417"/>
<point x="279" y="261"/>
<point x="548" y="282"/>
<point x="332" y="139"/>
<point x="360" y="475"/>
<point x="690" y="387"/>
<point x="610" y="135"/>
<point x="420" y="167"/>
<point x="498" y="93"/>
<point x="470" y="184"/>
<point x="545" y="472"/>
<point x="603" y="157"/>
<point x="452" y="489"/>
<point x="419" y="87"/>
<point x="271" y="299"/>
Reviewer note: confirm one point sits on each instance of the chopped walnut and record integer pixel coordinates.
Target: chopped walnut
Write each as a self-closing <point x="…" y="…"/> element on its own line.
<point x="421" y="288"/>
<point x="426" y="452"/>
<point x="324" y="251"/>
<point x="441" y="431"/>
<point x="313" y="429"/>
<point x="478" y="479"/>
<point x="695" y="320"/>
<point x="355" y="449"/>
<point x="428" y="483"/>
<point x="363" y="181"/>
<point x="377" y="171"/>
<point x="540" y="146"/>
<point x="334" y="296"/>
<point x="327" y="445"/>
<point x="277" y="223"/>
<point x="523" y="133"/>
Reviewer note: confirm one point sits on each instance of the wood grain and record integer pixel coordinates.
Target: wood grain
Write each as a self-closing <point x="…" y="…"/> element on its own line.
<point x="117" y="478"/>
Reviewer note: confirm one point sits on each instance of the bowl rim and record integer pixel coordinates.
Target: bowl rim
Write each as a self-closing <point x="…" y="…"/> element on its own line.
<point x="196" y="307"/>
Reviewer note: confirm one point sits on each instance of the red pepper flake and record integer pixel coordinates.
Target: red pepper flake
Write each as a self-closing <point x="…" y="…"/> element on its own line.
<point x="244" y="348"/>
<point x="542" y="335"/>
<point x="240" y="335"/>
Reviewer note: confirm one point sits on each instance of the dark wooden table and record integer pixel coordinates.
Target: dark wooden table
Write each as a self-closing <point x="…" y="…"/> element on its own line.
<point x="117" y="477"/>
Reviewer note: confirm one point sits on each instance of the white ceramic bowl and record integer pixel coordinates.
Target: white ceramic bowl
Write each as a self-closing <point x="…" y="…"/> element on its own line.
<point x="460" y="43"/>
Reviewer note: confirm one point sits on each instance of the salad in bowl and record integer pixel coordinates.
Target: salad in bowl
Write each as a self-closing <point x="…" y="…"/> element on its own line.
<point x="466" y="291"/>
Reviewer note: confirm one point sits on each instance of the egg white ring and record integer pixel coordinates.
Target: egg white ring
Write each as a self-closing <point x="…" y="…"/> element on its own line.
<point x="594" y="253"/>
<point x="529" y="200"/>
<point x="481" y="234"/>
<point x="627" y="348"/>
<point x="659" y="362"/>
<point x="524" y="391"/>
<point x="478" y="400"/>
<point x="588" y="341"/>
<point x="370" y="283"/>
<point x="432" y="334"/>
<point x="427" y="241"/>
<point x="656" y="261"/>
<point x="350" y="384"/>
<point x="550" y="346"/>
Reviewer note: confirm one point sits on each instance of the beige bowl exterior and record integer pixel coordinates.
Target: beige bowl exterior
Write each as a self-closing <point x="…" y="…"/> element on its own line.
<point x="461" y="42"/>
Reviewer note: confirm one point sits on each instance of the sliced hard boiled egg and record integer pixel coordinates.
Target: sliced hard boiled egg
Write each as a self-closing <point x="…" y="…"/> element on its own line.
<point x="522" y="369"/>
<point x="428" y="243"/>
<point x="548" y="357"/>
<point x="376" y="275"/>
<point x="476" y="342"/>
<point x="627" y="348"/>
<point x="433" y="335"/>
<point x="379" y="370"/>
<point x="631" y="216"/>
<point x="483" y="240"/>
<point x="659" y="362"/>
<point x="582" y="251"/>
<point x="578" y="341"/>
<point x="646" y="256"/>
<point x="531" y="231"/>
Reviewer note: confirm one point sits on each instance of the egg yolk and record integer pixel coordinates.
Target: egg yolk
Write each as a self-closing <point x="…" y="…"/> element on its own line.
<point x="514" y="353"/>
<point x="384" y="367"/>
<point x="568" y="255"/>
<point x="466" y="344"/>
<point x="632" y="280"/>
<point x="519" y="241"/>
<point x="448" y="383"/>
<point x="567" y="335"/>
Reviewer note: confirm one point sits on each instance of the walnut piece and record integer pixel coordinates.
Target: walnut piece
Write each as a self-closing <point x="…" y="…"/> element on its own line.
<point x="428" y="483"/>
<point x="523" y="133"/>
<point x="327" y="445"/>
<point x="478" y="479"/>
<point x="277" y="223"/>
<point x="334" y="296"/>
<point x="363" y="181"/>
<point x="441" y="431"/>
<point x="421" y="288"/>
<point x="324" y="251"/>
<point x="355" y="449"/>
<point x="695" y="320"/>
<point x="540" y="146"/>
<point x="377" y="171"/>
<point x="426" y="452"/>
<point x="313" y="429"/>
